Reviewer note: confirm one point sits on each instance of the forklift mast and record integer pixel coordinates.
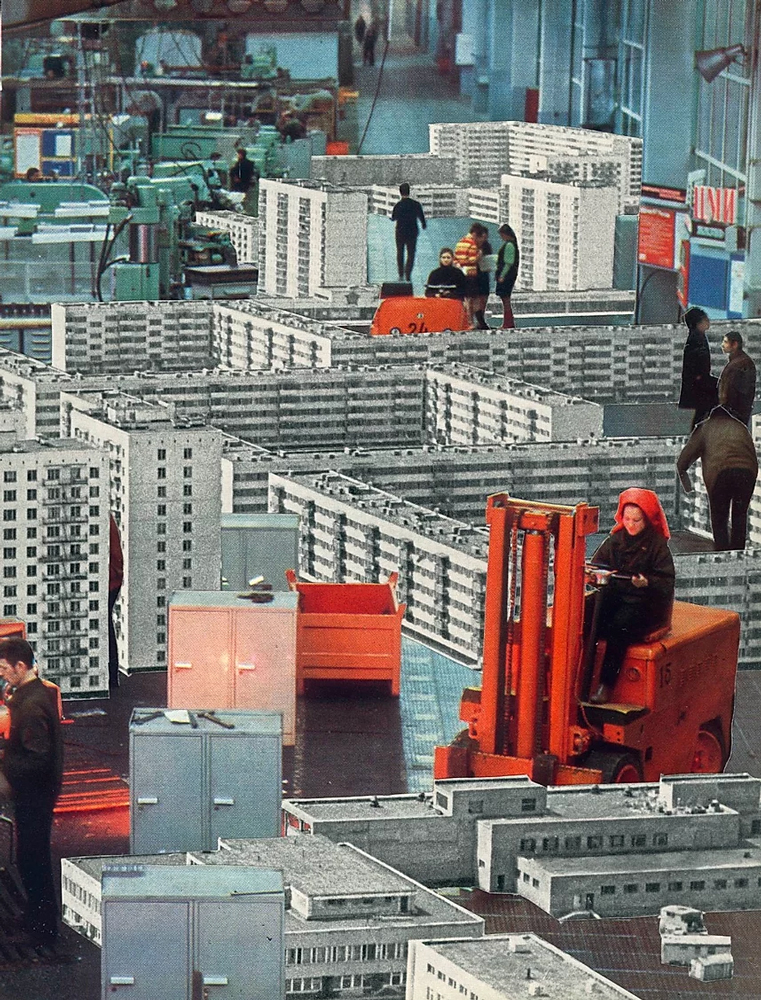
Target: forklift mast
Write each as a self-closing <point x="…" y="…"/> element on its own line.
<point x="514" y="647"/>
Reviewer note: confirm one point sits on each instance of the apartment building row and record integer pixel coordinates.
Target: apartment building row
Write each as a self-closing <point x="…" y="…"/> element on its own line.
<point x="349" y="917"/>
<point x="483" y="151"/>
<point x="143" y="335"/>
<point x="558" y="846"/>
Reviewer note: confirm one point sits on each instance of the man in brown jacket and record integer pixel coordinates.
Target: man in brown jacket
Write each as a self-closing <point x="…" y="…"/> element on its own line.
<point x="725" y="448"/>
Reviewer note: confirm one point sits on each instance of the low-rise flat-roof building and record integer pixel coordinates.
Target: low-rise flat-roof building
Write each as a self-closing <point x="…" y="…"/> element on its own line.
<point x="502" y="967"/>
<point x="348" y="921"/>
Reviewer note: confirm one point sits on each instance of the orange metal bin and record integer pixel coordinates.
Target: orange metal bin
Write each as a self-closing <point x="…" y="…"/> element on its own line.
<point x="348" y="631"/>
<point x="408" y="314"/>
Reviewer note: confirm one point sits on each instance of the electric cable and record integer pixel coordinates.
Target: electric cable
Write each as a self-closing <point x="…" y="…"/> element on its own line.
<point x="375" y="97"/>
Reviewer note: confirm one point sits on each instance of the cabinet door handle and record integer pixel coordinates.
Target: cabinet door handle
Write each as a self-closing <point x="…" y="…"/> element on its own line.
<point x="215" y="981"/>
<point x="121" y="981"/>
<point x="246" y="666"/>
<point x="224" y="802"/>
<point x="147" y="800"/>
<point x="183" y="666"/>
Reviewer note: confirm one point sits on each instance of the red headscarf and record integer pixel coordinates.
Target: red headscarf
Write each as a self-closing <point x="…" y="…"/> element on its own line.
<point x="648" y="503"/>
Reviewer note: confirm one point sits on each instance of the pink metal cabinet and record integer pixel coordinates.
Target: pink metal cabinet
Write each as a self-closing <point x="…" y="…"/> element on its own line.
<point x="225" y="652"/>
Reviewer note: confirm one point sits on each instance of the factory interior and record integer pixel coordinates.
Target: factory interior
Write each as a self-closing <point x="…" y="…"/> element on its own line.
<point x="133" y="112"/>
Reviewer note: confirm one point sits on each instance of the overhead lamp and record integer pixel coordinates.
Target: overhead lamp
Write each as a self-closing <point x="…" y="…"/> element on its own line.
<point x="710" y="62"/>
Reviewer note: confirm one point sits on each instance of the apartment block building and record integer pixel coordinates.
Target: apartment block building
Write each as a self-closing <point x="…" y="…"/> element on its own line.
<point x="483" y="151"/>
<point x="242" y="229"/>
<point x="349" y="917"/>
<point x="565" y="231"/>
<point x="55" y="557"/>
<point x="104" y="337"/>
<point x="468" y="406"/>
<point x="311" y="235"/>
<point x="502" y="967"/>
<point x="34" y="390"/>
<point x="166" y="498"/>
<point x="297" y="410"/>
<point x="439" y="201"/>
<point x="388" y="170"/>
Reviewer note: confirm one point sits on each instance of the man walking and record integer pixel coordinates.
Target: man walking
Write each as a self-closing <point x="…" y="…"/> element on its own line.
<point x="728" y="459"/>
<point x="406" y="214"/>
<point x="31" y="772"/>
<point x="737" y="382"/>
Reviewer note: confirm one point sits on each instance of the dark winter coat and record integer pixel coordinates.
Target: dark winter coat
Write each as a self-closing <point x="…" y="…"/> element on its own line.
<point x="698" y="391"/>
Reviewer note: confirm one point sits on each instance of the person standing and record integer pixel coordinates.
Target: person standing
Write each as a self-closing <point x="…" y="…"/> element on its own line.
<point x="467" y="254"/>
<point x="729" y="463"/>
<point x="737" y="382"/>
<point x="31" y="772"/>
<point x="506" y="273"/>
<point x="360" y="26"/>
<point x="698" y="390"/>
<point x="482" y="287"/>
<point x="406" y="213"/>
<point x="368" y="46"/>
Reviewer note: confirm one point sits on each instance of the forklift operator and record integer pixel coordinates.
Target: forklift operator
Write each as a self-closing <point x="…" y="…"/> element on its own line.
<point x="640" y="593"/>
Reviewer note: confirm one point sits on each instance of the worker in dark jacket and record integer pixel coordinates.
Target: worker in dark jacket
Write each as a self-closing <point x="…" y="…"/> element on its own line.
<point x="698" y="390"/>
<point x="31" y="772"/>
<point x="737" y="381"/>
<point x="446" y="281"/>
<point x="728" y="460"/>
<point x="639" y="597"/>
<point x="406" y="213"/>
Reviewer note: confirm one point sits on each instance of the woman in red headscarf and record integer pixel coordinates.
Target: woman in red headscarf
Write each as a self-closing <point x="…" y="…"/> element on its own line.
<point x="638" y="598"/>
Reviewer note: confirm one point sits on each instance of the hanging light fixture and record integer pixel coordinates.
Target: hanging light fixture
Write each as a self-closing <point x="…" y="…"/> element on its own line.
<point x="710" y="62"/>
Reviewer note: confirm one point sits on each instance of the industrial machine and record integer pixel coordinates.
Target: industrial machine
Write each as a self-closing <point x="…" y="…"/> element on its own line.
<point x="670" y="710"/>
<point x="408" y="314"/>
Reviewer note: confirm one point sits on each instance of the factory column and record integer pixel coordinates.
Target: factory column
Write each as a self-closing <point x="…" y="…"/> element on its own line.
<point x="668" y="128"/>
<point x="514" y="57"/>
<point x="555" y="63"/>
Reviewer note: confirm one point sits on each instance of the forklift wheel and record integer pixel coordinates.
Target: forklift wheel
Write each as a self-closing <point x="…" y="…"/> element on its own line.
<point x="709" y="757"/>
<point x="617" y="768"/>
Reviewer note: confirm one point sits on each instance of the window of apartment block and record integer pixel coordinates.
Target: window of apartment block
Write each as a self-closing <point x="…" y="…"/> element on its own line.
<point x="617" y="840"/>
<point x="54" y="474"/>
<point x="161" y="455"/>
<point x="535" y="883"/>
<point x="550" y="844"/>
<point x="9" y="534"/>
<point x="652" y="886"/>
<point x="161" y="492"/>
<point x="187" y="453"/>
<point x="187" y="471"/>
<point x="528" y="805"/>
<point x="161" y="510"/>
<point x="660" y="840"/>
<point x="573" y="843"/>
<point x="631" y="887"/>
<point x="161" y="546"/>
<point x="594" y="842"/>
<point x="741" y="883"/>
<point x="187" y="508"/>
<point x="755" y="826"/>
<point x="187" y="527"/>
<point x="31" y="532"/>
<point x="697" y="885"/>
<point x="720" y="883"/>
<point x="639" y="840"/>
<point x="187" y="490"/>
<point x="9" y="476"/>
<point x="187" y="582"/>
<point x="187" y="545"/>
<point x="607" y="890"/>
<point x="161" y="472"/>
<point x="94" y="472"/>
<point x="528" y="844"/>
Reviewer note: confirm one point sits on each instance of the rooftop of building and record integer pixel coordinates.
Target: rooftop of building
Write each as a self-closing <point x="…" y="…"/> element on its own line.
<point x="471" y="374"/>
<point x="507" y="963"/>
<point x="661" y="863"/>
<point x="374" y="807"/>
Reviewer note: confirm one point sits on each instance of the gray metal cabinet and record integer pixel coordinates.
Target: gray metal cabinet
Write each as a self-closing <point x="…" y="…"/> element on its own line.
<point x="191" y="785"/>
<point x="192" y="933"/>
<point x="259" y="545"/>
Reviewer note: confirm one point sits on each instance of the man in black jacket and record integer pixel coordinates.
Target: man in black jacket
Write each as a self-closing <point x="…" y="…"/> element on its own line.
<point x="31" y="772"/>
<point x="698" y="391"/>
<point x="405" y="214"/>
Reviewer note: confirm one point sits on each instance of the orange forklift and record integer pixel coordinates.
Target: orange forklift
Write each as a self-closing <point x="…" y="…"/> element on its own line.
<point x="671" y="707"/>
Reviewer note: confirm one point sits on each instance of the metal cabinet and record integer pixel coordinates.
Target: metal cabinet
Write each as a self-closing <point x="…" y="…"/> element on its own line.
<point x="259" y="545"/>
<point x="191" y="933"/>
<point x="225" y="652"/>
<point x="218" y="775"/>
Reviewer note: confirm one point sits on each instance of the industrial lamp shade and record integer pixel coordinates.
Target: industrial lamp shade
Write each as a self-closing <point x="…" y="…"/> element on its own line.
<point x="711" y="62"/>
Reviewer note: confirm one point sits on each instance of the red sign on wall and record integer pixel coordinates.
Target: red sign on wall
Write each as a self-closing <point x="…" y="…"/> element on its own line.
<point x="712" y="204"/>
<point x="656" y="239"/>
